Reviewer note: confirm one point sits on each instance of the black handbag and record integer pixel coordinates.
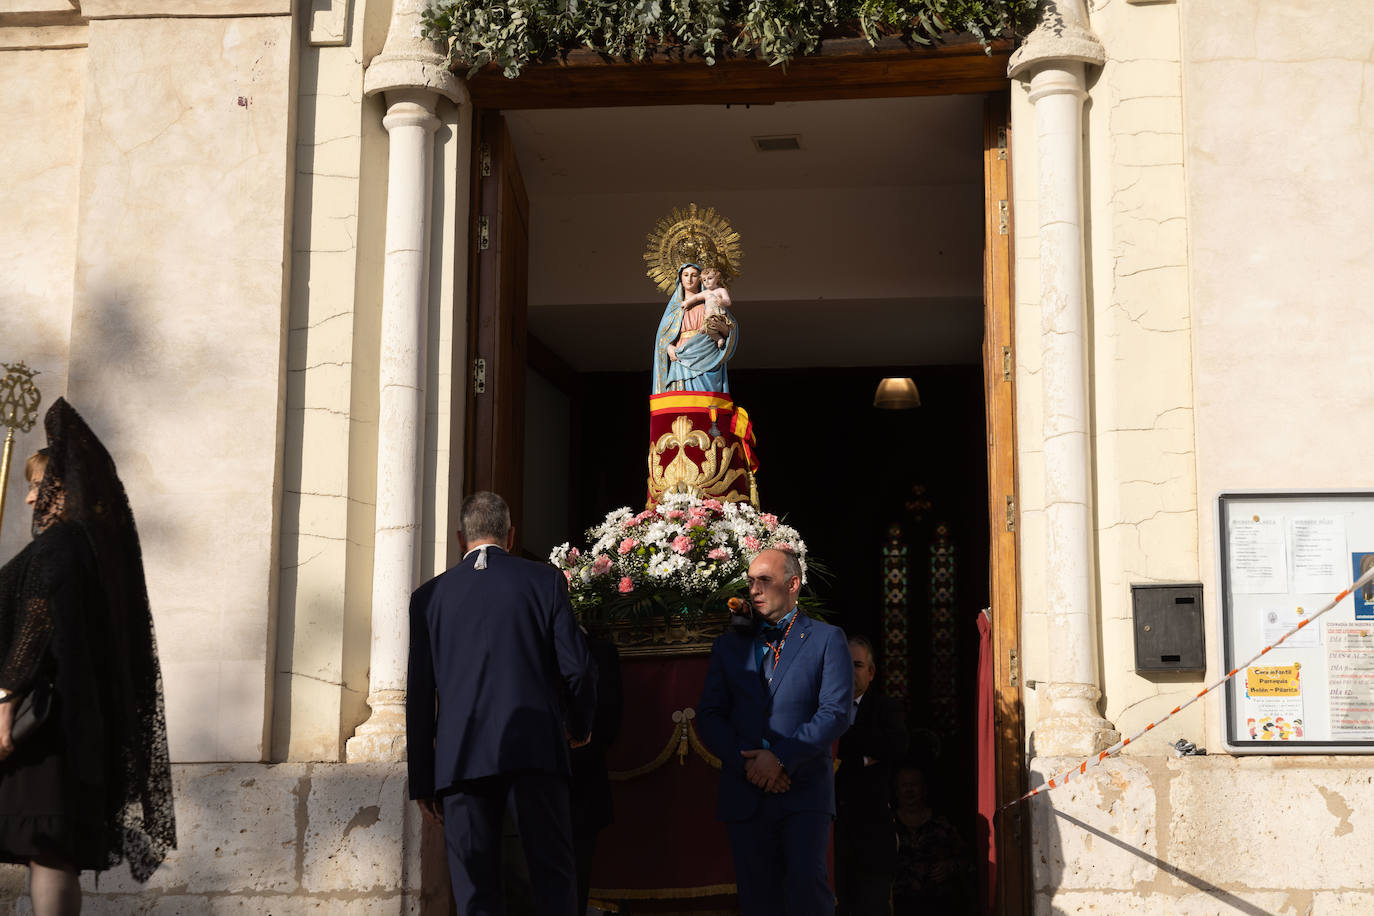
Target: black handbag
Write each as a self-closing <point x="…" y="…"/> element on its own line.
<point x="31" y="711"/>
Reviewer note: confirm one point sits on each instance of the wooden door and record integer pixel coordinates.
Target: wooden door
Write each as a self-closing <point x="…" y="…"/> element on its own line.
<point x="497" y="349"/>
<point x="1012" y="832"/>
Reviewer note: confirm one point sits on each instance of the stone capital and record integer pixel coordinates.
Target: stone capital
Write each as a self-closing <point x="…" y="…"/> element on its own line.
<point x="411" y="61"/>
<point x="1062" y="35"/>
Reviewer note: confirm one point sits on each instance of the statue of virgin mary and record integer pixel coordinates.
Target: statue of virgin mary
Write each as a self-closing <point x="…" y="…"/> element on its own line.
<point x="686" y="358"/>
<point x="683" y="245"/>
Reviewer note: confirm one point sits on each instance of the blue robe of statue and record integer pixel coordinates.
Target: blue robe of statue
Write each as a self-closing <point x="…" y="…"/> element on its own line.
<point x="700" y="364"/>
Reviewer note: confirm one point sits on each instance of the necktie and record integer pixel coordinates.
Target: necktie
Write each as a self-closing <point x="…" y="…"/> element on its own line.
<point x="853" y="711"/>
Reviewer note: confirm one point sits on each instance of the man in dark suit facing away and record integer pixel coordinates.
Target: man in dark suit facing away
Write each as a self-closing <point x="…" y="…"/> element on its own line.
<point x="495" y="656"/>
<point x="865" y="839"/>
<point x="775" y="700"/>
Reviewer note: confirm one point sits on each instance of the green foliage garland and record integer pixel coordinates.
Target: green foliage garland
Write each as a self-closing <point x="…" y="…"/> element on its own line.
<point x="514" y="33"/>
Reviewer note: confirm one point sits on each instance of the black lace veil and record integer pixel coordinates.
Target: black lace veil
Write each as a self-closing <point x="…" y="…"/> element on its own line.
<point x="112" y="638"/>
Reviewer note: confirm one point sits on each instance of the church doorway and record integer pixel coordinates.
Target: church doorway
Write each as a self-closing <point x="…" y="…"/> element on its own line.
<point x="876" y="239"/>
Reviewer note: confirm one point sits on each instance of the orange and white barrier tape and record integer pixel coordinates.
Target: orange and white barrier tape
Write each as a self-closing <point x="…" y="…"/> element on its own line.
<point x="1091" y="762"/>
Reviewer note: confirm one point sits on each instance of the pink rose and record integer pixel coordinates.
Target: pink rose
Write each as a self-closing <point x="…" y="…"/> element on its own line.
<point x="673" y="513"/>
<point x="601" y="565"/>
<point x="627" y="545"/>
<point x="696" y="523"/>
<point x="714" y="505"/>
<point x="574" y="554"/>
<point x="770" y="521"/>
<point x="752" y="542"/>
<point x="682" y="544"/>
<point x="626" y="585"/>
<point x="720" y="553"/>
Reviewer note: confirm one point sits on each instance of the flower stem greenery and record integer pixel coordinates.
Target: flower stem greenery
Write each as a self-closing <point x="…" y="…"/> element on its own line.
<point x="515" y="33"/>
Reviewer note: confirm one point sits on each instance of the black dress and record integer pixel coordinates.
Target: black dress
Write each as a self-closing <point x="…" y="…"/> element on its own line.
<point x="94" y="784"/>
<point x="46" y="807"/>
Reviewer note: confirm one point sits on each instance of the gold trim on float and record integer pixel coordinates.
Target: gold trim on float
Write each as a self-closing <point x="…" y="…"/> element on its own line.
<point x="680" y="636"/>
<point x="712" y="478"/>
<point x="682" y="738"/>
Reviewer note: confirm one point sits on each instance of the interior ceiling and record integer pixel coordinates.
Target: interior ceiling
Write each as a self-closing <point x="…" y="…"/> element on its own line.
<point x="863" y="247"/>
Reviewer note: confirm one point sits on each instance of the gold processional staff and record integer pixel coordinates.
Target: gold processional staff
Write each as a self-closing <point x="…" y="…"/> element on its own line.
<point x="19" y="400"/>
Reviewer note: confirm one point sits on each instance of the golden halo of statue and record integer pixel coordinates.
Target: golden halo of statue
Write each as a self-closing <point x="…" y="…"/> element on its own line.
<point x="700" y="236"/>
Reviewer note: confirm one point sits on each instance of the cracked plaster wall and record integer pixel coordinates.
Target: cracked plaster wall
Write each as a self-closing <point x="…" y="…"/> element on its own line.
<point x="329" y="514"/>
<point x="1140" y="358"/>
<point x="1229" y="200"/>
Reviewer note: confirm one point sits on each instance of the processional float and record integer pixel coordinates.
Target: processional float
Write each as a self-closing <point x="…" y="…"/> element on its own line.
<point x="657" y="581"/>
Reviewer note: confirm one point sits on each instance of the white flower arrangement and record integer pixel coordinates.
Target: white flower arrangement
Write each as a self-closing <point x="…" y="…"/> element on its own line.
<point x="684" y="556"/>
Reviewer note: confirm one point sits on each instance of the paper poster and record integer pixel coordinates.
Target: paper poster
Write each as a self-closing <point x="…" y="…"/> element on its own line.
<point x="1364" y="598"/>
<point x="1280" y="620"/>
<point x="1258" y="564"/>
<point x="1318" y="545"/>
<point x="1273" y="702"/>
<point x="1350" y="680"/>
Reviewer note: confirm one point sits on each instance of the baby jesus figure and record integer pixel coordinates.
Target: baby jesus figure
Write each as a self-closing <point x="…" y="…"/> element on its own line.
<point x="716" y="299"/>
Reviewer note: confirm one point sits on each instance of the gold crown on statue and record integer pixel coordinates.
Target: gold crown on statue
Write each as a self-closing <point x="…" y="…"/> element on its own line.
<point x="698" y="236"/>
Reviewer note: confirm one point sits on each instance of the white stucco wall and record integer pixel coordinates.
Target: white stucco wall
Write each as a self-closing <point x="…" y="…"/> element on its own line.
<point x="177" y="339"/>
<point x="328" y="512"/>
<point x="1139" y="358"/>
<point x="1279" y="125"/>
<point x="42" y="96"/>
<point x="1230" y="138"/>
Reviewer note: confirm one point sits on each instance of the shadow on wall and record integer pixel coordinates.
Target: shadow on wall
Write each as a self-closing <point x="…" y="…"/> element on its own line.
<point x="1053" y="865"/>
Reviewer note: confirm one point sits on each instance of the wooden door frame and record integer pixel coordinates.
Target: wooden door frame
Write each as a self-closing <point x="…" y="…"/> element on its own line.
<point x="851" y="69"/>
<point x="1004" y="579"/>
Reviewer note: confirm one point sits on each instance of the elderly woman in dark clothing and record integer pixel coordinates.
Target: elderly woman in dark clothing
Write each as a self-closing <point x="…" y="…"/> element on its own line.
<point x="89" y="785"/>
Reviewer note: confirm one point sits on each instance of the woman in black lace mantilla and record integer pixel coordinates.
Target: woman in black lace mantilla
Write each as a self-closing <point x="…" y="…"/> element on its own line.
<point x="91" y="787"/>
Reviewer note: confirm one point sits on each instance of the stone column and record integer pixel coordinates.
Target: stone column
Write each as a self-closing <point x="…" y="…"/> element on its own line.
<point x="1054" y="59"/>
<point x="410" y="72"/>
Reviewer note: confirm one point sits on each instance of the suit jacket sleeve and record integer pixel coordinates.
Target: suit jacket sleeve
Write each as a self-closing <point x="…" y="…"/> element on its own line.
<point x="713" y="718"/>
<point x="421" y="700"/>
<point x="831" y="718"/>
<point x="574" y="664"/>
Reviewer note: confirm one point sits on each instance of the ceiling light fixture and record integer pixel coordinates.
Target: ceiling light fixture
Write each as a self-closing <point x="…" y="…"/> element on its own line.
<point x="897" y="394"/>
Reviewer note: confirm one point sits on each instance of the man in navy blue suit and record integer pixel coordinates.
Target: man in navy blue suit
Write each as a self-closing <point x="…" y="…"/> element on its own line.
<point x="775" y="701"/>
<point x="495" y="658"/>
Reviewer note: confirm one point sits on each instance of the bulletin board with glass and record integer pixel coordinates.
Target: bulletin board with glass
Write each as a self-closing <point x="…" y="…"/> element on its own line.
<point x="1283" y="557"/>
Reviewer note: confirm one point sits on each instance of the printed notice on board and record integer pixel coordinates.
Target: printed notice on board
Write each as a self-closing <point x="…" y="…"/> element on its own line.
<point x="1319" y="556"/>
<point x="1280" y="620"/>
<point x="1258" y="564"/>
<point x="1273" y="702"/>
<point x="1350" y="680"/>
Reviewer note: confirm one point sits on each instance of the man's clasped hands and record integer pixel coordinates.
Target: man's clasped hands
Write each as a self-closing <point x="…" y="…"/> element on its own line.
<point x="763" y="769"/>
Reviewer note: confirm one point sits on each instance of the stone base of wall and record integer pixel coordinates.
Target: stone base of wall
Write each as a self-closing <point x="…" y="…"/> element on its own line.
<point x="279" y="839"/>
<point x="1205" y="835"/>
